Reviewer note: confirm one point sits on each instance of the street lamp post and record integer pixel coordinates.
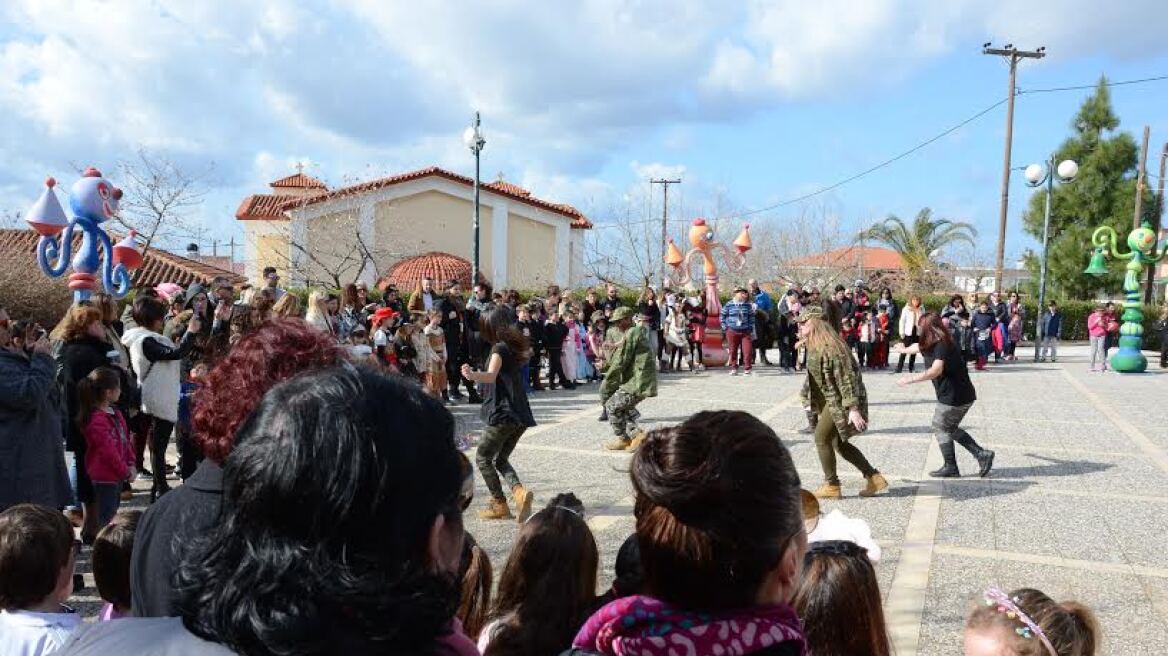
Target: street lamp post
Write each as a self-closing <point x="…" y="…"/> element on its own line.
<point x="1141" y="244"/>
<point x="473" y="138"/>
<point x="1037" y="174"/>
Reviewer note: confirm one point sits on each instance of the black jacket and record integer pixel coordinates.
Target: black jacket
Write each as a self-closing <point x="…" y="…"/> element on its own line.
<point x="534" y="332"/>
<point x="165" y="532"/>
<point x="553" y="335"/>
<point x="75" y="361"/>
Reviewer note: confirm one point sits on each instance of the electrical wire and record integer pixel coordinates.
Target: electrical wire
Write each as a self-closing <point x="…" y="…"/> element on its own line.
<point x="902" y="155"/>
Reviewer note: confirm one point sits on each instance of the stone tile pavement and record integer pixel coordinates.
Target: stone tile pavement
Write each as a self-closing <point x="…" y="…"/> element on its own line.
<point x="1077" y="504"/>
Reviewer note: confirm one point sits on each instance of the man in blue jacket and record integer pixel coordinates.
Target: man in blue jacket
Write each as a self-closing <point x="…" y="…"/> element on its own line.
<point x="738" y="327"/>
<point x="1051" y="325"/>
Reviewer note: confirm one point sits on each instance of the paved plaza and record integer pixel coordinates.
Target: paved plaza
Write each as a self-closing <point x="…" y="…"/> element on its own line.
<point x="1077" y="505"/>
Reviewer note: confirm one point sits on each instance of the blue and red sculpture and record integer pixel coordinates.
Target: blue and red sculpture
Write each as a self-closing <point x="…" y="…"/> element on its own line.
<point x="94" y="200"/>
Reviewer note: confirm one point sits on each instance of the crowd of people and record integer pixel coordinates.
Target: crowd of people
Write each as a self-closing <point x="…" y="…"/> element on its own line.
<point x="324" y="488"/>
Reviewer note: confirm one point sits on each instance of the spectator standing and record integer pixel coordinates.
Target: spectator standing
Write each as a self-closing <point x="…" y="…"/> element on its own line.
<point x="908" y="331"/>
<point x="1097" y="331"/>
<point x="982" y="324"/>
<point x="1112" y="336"/>
<point x="454" y="312"/>
<point x="650" y="310"/>
<point x="1013" y="334"/>
<point x="956" y="316"/>
<point x="886" y="301"/>
<point x="554" y="334"/>
<point x="1052" y="331"/>
<point x="611" y="302"/>
<point x="317" y="315"/>
<point x="272" y="283"/>
<point x="156" y="361"/>
<point x="32" y="456"/>
<point x="1001" y="312"/>
<point x="532" y="330"/>
<point x="591" y="306"/>
<point x="352" y="313"/>
<point x="1161" y="328"/>
<point x="109" y="455"/>
<point x="737" y="321"/>
<point x="83" y="349"/>
<point x="424" y="298"/>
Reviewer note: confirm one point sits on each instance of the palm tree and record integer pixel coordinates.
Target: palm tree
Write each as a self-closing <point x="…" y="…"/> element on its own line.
<point x="919" y="243"/>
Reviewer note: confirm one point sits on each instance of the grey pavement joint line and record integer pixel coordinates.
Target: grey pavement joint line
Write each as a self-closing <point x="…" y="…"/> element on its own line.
<point x="1054" y="561"/>
<point x="905" y="608"/>
<point x="1155" y="454"/>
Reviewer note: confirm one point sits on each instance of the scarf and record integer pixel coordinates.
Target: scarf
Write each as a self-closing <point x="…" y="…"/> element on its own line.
<point x="643" y="626"/>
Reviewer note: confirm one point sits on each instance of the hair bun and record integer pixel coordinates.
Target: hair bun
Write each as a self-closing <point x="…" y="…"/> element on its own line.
<point x="690" y="497"/>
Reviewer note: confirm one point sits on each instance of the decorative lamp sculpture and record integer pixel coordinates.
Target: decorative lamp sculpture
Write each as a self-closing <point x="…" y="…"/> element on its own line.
<point x="1141" y="243"/>
<point x="701" y="237"/>
<point x="94" y="200"/>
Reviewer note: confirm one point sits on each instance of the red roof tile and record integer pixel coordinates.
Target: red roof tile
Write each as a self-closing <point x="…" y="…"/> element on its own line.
<point x="18" y="248"/>
<point x="298" y="181"/>
<point x="502" y="188"/>
<point x="267" y="207"/>
<point x="407" y="274"/>
<point x="870" y="257"/>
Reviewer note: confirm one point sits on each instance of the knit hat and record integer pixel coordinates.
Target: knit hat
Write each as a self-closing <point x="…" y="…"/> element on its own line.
<point x="810" y="312"/>
<point x="622" y="313"/>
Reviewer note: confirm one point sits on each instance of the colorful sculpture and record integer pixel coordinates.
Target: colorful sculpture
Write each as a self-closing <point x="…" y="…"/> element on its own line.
<point x="701" y="237"/>
<point x="1141" y="243"/>
<point x="94" y="200"/>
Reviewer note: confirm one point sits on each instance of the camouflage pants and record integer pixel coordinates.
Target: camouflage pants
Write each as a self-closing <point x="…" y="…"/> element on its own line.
<point x="623" y="413"/>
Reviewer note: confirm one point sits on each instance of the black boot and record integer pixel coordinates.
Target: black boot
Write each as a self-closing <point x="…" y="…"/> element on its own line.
<point x="603" y="414"/>
<point x="985" y="457"/>
<point x="949" y="470"/>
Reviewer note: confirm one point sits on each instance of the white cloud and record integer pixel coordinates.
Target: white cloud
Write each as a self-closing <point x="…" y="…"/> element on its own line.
<point x="657" y="170"/>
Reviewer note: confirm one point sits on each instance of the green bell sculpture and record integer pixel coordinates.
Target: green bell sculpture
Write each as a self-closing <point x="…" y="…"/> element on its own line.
<point x="1141" y="244"/>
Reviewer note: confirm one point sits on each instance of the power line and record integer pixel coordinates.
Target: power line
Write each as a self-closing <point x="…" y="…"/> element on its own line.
<point x="900" y="156"/>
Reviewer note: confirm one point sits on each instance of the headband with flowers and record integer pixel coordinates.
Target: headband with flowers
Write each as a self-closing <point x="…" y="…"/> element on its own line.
<point x="1009" y="607"/>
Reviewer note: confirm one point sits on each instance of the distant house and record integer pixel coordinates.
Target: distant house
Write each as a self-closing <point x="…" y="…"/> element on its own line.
<point x="313" y="234"/>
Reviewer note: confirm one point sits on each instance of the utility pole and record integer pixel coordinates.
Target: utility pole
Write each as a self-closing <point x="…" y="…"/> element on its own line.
<point x="1013" y="56"/>
<point x="1157" y="223"/>
<point x="664" y="220"/>
<point x="1140" y="173"/>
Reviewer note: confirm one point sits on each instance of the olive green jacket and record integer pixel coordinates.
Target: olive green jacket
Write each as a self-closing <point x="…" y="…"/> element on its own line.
<point x="834" y="381"/>
<point x="632" y="367"/>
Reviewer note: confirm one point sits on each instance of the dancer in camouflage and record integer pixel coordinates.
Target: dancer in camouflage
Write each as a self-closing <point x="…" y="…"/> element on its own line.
<point x="629" y="378"/>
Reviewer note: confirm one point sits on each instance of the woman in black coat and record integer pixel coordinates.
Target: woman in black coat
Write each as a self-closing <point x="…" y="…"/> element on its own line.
<point x="82" y="349"/>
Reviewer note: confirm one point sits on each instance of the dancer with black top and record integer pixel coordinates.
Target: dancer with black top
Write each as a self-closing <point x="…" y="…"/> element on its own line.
<point x="505" y="410"/>
<point x="946" y="367"/>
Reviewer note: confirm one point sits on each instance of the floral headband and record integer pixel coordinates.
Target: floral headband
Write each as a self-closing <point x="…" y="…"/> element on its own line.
<point x="1009" y="607"/>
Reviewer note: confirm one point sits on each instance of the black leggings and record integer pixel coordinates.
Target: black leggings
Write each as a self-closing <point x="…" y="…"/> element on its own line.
<point x="695" y="352"/>
<point x="912" y="359"/>
<point x="160" y="430"/>
<point x="556" y="368"/>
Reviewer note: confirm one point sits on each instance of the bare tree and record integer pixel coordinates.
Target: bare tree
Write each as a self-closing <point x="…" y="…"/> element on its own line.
<point x="623" y="247"/>
<point x="159" y="200"/>
<point x="11" y="219"/>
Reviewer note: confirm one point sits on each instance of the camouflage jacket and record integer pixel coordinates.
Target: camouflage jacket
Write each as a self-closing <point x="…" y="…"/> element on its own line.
<point x="632" y="367"/>
<point x="834" y="381"/>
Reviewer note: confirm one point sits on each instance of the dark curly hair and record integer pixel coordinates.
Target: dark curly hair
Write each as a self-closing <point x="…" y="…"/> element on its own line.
<point x="278" y="350"/>
<point x="717" y="509"/>
<point x="329" y="500"/>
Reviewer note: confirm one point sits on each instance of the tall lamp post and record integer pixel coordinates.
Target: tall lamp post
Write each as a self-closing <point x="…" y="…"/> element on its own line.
<point x="1036" y="175"/>
<point x="1141" y="244"/>
<point x="473" y="138"/>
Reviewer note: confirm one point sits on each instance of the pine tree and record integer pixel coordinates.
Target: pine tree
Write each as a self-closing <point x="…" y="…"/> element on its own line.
<point x="1102" y="194"/>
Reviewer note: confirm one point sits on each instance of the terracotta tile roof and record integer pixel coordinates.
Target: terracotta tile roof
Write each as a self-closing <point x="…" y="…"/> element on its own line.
<point x="502" y="188"/>
<point x="298" y="181"/>
<point x="871" y="257"/>
<point x="442" y="267"/>
<point x="263" y="207"/>
<point x="18" y="248"/>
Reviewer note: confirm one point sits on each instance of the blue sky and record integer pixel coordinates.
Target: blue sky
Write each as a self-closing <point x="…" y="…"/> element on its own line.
<point x="752" y="103"/>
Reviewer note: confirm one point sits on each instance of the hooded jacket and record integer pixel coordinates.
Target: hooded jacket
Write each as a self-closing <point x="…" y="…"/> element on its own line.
<point x="156" y="362"/>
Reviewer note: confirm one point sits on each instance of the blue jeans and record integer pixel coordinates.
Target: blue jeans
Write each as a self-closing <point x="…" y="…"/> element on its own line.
<point x="109" y="497"/>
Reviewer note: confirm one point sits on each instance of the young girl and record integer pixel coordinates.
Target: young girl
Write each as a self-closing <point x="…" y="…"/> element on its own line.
<point x="676" y="339"/>
<point x="596" y="332"/>
<point x="506" y="412"/>
<point x="839" y="588"/>
<point x="1013" y="333"/>
<point x="695" y="313"/>
<point x="109" y="457"/>
<point x="584" y="368"/>
<point x="571" y="348"/>
<point x="111" y="564"/>
<point x="1026" y="622"/>
<point x="1097" y="331"/>
<point x="436" y="355"/>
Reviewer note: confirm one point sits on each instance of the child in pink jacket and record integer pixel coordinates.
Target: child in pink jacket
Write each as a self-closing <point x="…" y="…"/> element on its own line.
<point x="1097" y="331"/>
<point x="109" y="456"/>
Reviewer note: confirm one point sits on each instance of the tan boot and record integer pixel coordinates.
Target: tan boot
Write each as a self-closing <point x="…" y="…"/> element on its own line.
<point x="635" y="442"/>
<point x="496" y="509"/>
<point x="619" y="444"/>
<point x="523" y="499"/>
<point x="829" y="491"/>
<point x="876" y="483"/>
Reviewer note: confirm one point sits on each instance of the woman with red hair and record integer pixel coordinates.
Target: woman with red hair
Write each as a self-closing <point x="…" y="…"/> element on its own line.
<point x="275" y="352"/>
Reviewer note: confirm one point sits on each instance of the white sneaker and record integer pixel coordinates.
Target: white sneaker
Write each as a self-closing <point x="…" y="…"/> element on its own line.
<point x="734" y="371"/>
<point x="748" y="372"/>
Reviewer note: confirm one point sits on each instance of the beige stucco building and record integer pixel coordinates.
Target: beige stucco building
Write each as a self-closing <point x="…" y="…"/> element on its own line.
<point x="317" y="236"/>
